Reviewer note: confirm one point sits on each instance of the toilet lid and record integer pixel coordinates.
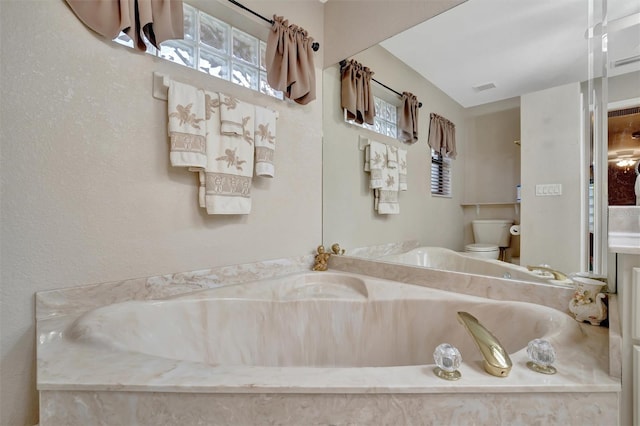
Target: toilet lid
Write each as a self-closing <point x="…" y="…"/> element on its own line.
<point x="482" y="247"/>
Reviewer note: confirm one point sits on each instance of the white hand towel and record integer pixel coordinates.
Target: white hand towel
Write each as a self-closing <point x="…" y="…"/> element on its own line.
<point x="388" y="193"/>
<point x="265" y="141"/>
<point x="392" y="157"/>
<point x="402" y="169"/>
<point x="229" y="161"/>
<point x="235" y="116"/>
<point x="377" y="162"/>
<point x="186" y="125"/>
<point x="367" y="153"/>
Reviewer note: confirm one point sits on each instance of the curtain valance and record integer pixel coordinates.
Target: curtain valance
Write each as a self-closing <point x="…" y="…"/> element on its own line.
<point x="442" y="136"/>
<point x="408" y="122"/>
<point x="157" y="20"/>
<point x="289" y="61"/>
<point x="357" y="98"/>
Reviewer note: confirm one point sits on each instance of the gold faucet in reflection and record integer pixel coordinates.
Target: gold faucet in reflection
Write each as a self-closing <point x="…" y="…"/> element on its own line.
<point x="557" y="275"/>
<point x="496" y="359"/>
<point x="321" y="259"/>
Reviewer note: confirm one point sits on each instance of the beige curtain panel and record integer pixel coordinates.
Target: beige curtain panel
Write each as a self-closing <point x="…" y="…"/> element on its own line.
<point x="357" y="98"/>
<point x="289" y="61"/>
<point x="442" y="136"/>
<point x="157" y="20"/>
<point x="408" y="122"/>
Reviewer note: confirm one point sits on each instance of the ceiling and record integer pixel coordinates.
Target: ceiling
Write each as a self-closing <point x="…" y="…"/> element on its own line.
<point x="518" y="46"/>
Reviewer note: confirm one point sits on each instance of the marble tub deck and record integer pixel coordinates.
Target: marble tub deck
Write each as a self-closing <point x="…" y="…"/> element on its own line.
<point x="80" y="383"/>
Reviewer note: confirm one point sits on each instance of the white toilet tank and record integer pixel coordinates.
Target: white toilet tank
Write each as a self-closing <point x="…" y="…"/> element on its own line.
<point x="492" y="231"/>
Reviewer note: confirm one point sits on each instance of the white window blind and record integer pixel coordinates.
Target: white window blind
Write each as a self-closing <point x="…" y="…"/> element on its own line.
<point x="440" y="175"/>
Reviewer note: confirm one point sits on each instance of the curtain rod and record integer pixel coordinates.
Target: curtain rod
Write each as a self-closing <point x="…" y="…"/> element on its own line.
<point x="315" y="45"/>
<point x="344" y="62"/>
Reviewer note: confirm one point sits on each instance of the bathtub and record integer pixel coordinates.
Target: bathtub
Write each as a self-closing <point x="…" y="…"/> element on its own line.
<point x="449" y="260"/>
<point x="313" y="348"/>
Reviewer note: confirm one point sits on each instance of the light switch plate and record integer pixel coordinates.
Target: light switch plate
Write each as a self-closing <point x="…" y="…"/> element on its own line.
<point x="548" y="190"/>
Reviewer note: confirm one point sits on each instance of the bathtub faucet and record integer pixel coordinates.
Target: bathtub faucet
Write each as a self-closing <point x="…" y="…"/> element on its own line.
<point x="557" y="275"/>
<point x="496" y="359"/>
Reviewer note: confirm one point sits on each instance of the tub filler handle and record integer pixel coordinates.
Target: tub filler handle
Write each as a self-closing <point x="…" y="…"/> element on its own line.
<point x="496" y="359"/>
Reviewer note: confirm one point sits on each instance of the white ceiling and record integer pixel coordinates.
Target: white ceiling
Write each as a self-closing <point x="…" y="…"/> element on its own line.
<point x="521" y="46"/>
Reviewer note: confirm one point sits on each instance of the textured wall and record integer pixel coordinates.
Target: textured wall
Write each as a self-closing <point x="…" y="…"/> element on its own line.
<point x="88" y="194"/>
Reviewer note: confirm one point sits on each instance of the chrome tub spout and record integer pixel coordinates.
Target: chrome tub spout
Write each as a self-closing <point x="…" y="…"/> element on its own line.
<point x="496" y="359"/>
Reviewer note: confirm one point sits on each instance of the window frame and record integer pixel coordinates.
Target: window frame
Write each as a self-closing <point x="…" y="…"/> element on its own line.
<point x="197" y="47"/>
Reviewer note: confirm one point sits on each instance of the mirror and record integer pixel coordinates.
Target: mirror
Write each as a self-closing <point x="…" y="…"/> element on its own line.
<point x="549" y="117"/>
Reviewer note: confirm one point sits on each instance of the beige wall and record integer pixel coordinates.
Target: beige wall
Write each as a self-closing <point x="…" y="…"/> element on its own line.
<point x="88" y="194"/>
<point x="348" y="215"/>
<point x="550" y="127"/>
<point x="492" y="166"/>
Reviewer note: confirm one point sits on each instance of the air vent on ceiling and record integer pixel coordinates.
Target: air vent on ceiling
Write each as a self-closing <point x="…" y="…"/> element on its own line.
<point x="483" y="87"/>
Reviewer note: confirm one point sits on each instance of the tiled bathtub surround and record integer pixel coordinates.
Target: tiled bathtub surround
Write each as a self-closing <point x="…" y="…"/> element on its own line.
<point x="380" y="333"/>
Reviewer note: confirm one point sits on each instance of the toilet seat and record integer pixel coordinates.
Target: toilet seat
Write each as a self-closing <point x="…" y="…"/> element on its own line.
<point x="483" y="251"/>
<point x="479" y="247"/>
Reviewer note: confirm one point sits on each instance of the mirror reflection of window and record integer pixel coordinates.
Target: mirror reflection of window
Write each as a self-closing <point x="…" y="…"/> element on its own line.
<point x="440" y="175"/>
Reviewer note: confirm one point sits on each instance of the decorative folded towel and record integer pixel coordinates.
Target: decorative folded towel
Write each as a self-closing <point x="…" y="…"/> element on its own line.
<point x="186" y="125"/>
<point x="392" y="157"/>
<point x="235" y="116"/>
<point x="388" y="193"/>
<point x="402" y="169"/>
<point x="229" y="160"/>
<point x="377" y="162"/>
<point x="265" y="141"/>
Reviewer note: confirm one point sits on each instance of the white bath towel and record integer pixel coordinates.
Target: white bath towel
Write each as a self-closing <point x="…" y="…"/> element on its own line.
<point x="402" y="169"/>
<point x="377" y="156"/>
<point x="265" y="141"/>
<point x="186" y="125"/>
<point x="229" y="161"/>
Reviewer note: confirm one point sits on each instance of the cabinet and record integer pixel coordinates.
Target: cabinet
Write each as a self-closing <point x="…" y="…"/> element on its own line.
<point x="628" y="285"/>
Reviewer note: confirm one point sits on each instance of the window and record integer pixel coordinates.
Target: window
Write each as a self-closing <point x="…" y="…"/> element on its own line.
<point x="386" y="120"/>
<point x="218" y="49"/>
<point x="440" y="175"/>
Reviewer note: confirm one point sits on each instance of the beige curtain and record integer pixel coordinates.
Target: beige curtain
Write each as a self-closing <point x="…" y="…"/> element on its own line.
<point x="157" y="20"/>
<point x="442" y="136"/>
<point x="408" y="122"/>
<point x="289" y="61"/>
<point x="356" y="92"/>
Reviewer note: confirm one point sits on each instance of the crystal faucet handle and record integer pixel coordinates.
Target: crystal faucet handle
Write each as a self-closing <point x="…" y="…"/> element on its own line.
<point x="542" y="355"/>
<point x="448" y="360"/>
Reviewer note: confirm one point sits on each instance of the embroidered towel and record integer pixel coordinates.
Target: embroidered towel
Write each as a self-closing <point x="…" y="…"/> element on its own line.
<point x="392" y="157"/>
<point x="402" y="169"/>
<point x="265" y="141"/>
<point x="388" y="193"/>
<point x="377" y="162"/>
<point x="235" y="116"/>
<point x="186" y="125"/>
<point x="229" y="161"/>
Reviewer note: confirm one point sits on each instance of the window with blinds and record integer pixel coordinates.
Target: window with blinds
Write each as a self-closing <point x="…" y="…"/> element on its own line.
<point x="440" y="175"/>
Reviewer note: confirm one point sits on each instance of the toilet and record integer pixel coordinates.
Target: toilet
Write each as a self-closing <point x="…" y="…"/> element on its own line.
<point x="489" y="236"/>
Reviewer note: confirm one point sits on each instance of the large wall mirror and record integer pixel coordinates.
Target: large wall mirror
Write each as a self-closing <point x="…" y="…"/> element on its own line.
<point x="528" y="86"/>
